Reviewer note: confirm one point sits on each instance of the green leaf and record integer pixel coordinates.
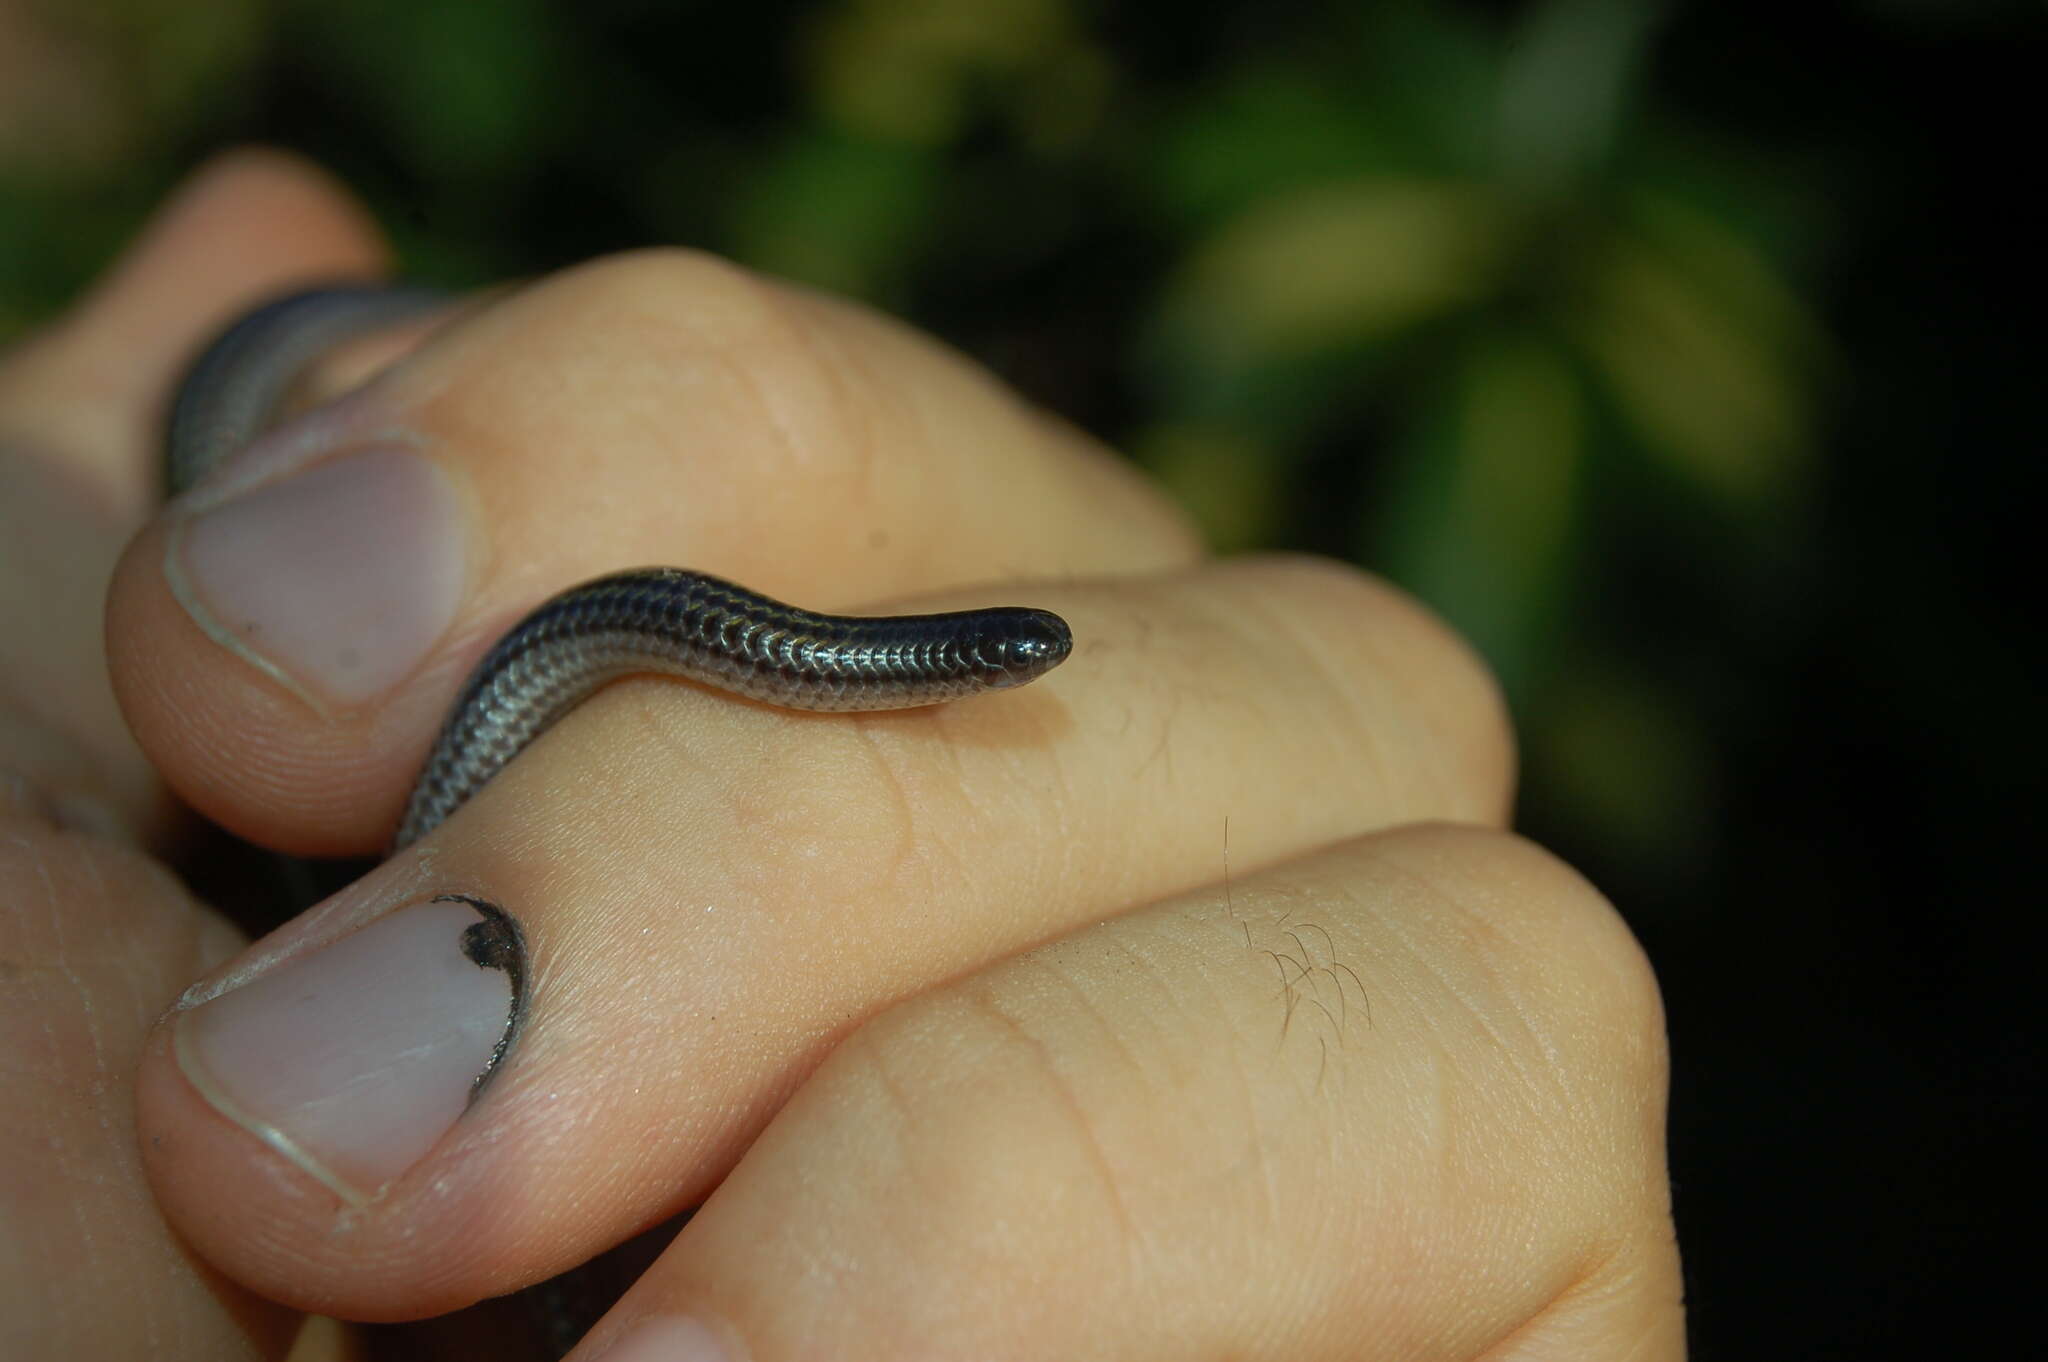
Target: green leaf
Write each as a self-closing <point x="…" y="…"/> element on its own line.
<point x="467" y="91"/>
<point x="1619" y="761"/>
<point x="1329" y="265"/>
<point x="1694" y="343"/>
<point x="1228" y="479"/>
<point x="1270" y="130"/>
<point x="837" y="212"/>
<point x="1481" y="518"/>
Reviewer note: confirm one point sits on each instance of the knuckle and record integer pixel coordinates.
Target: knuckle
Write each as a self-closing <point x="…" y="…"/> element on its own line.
<point x="1578" y="974"/>
<point x="1363" y="634"/>
<point x="748" y="346"/>
<point x="1606" y="965"/>
<point x="687" y="285"/>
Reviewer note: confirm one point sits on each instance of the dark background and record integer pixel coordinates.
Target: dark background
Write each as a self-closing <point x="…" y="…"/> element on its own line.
<point x="1678" y="353"/>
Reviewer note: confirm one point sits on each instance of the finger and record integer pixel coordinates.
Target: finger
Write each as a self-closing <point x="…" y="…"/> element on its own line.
<point x="1400" y="1099"/>
<point x="711" y="893"/>
<point x="94" y="943"/>
<point x="246" y="225"/>
<point x="287" y="641"/>
<point x="79" y="409"/>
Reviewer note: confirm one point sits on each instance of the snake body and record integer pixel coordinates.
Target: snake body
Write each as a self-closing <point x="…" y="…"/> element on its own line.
<point x="668" y="621"/>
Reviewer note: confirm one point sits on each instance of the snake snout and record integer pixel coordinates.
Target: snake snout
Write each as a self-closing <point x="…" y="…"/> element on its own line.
<point x="1038" y="642"/>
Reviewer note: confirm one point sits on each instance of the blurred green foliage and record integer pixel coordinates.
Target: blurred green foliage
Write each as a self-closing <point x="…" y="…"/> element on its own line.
<point x="1432" y="286"/>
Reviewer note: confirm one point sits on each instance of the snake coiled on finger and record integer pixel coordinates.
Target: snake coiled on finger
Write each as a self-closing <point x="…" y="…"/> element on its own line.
<point x="662" y="620"/>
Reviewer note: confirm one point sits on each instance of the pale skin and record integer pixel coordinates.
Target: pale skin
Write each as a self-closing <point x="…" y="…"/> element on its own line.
<point x="1194" y="1003"/>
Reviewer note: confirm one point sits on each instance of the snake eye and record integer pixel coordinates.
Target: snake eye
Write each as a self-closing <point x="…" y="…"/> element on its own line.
<point x="1037" y="641"/>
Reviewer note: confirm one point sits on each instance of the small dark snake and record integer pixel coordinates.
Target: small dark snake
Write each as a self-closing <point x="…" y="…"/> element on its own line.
<point x="669" y="621"/>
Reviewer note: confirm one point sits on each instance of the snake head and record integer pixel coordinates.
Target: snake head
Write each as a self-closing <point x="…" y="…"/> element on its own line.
<point x="1023" y="645"/>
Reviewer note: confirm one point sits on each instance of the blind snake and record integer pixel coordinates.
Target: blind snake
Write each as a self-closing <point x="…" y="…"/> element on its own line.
<point x="669" y="621"/>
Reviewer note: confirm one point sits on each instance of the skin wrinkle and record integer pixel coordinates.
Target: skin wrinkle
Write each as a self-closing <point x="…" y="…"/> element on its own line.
<point x="1479" y="933"/>
<point x="720" y="318"/>
<point x="1197" y="967"/>
<point x="664" y="711"/>
<point x="1058" y="794"/>
<point x="36" y="852"/>
<point x="82" y="1222"/>
<point x="763" y="306"/>
<point x="980" y="805"/>
<point x="760" y="398"/>
<point x="923" y="420"/>
<point x="1238" y="1052"/>
<point x="871" y="738"/>
<point x="1344" y="681"/>
<point x="873" y="1056"/>
<point x="1178" y="1025"/>
<point x="1595" y="1264"/>
<point x="853" y="416"/>
<point x="61" y="957"/>
<point x="982" y="1000"/>
<point x="134" y="972"/>
<point x="1211" y="623"/>
<point x="1049" y="966"/>
<point x="885" y="757"/>
<point x="988" y="803"/>
<point x="81" y="767"/>
<point x="1259" y="1141"/>
<point x="1532" y="938"/>
<point x="1169" y="711"/>
<point x="1455" y="989"/>
<point x="910" y="848"/>
<point x="1536" y="1113"/>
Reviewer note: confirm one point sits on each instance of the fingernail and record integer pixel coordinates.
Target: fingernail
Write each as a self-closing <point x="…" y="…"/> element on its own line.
<point x="355" y="1060"/>
<point x="668" y="1338"/>
<point x="337" y="580"/>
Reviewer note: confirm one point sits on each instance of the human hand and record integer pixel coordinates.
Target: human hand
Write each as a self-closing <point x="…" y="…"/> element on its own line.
<point x="955" y="1015"/>
<point x="96" y="938"/>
